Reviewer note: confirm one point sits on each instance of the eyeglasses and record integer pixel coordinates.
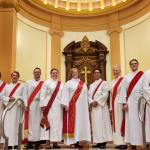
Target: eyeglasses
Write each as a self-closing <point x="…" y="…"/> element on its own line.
<point x="133" y="63"/>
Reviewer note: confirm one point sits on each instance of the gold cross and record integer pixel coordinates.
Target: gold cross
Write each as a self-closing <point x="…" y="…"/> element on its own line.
<point x="85" y="72"/>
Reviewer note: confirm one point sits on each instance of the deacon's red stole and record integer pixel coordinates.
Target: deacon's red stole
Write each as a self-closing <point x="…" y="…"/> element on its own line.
<point x="14" y="89"/>
<point x="129" y="91"/>
<point x="114" y="93"/>
<point x="96" y="89"/>
<point x="68" y="124"/>
<point x="29" y="102"/>
<point x="2" y="86"/>
<point x="44" y="121"/>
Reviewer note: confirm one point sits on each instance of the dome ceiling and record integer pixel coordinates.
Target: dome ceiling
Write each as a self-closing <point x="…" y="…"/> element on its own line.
<point x="82" y="7"/>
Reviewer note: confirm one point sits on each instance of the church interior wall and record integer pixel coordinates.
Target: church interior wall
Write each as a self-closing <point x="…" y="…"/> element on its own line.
<point x="135" y="43"/>
<point x="33" y="48"/>
<point x="34" y="42"/>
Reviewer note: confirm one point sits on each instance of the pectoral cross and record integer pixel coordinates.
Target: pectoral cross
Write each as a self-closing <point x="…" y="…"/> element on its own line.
<point x="85" y="72"/>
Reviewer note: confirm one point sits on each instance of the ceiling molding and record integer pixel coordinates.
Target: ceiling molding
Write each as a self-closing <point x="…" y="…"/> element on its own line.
<point x="87" y="23"/>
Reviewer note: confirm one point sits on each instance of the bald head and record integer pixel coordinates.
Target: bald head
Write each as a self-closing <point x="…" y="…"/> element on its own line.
<point x="116" y="71"/>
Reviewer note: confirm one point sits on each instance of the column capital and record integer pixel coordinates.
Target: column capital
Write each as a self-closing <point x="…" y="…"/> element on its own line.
<point x="117" y="29"/>
<point x="53" y="31"/>
<point x="10" y="4"/>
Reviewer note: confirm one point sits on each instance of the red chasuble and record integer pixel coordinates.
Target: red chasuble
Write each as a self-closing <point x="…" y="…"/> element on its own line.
<point x="68" y="125"/>
<point x="29" y="102"/>
<point x="44" y="121"/>
<point x="129" y="91"/>
<point x="114" y="93"/>
<point x="2" y="86"/>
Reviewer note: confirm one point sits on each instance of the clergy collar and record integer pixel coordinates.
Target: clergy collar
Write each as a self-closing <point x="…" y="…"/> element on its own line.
<point x="53" y="80"/>
<point x="14" y="83"/>
<point x="117" y="78"/>
<point x="134" y="72"/>
<point x="36" y="80"/>
<point x="98" y="80"/>
<point x="75" y="79"/>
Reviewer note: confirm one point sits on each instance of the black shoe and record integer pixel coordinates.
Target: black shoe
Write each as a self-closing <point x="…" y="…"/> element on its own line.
<point x="121" y="147"/>
<point x="133" y="147"/>
<point x="118" y="147"/>
<point x="77" y="145"/>
<point x="48" y="147"/>
<point x="103" y="145"/>
<point x="97" y="145"/>
<point x="16" y="147"/>
<point x="37" y="146"/>
<point x="10" y="147"/>
<point x="29" y="146"/>
<point x="56" y="147"/>
<point x="42" y="142"/>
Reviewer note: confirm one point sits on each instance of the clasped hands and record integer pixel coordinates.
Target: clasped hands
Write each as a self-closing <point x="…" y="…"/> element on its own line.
<point x="125" y="107"/>
<point x="94" y="103"/>
<point x="11" y="98"/>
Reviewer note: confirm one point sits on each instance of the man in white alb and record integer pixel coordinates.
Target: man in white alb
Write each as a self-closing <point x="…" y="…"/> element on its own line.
<point x="52" y="118"/>
<point x="129" y="95"/>
<point x="76" y="120"/>
<point x="31" y="96"/>
<point x="117" y="114"/>
<point x="146" y="94"/>
<point x="101" y="125"/>
<point x="2" y="86"/>
<point x="11" y="92"/>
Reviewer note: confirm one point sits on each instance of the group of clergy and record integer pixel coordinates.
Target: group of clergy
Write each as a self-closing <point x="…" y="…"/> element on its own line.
<point x="74" y="114"/>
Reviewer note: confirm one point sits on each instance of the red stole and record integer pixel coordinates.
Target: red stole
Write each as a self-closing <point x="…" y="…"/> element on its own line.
<point x="44" y="121"/>
<point x="14" y="89"/>
<point x="2" y="86"/>
<point x="30" y="100"/>
<point x="96" y="89"/>
<point x="68" y="125"/>
<point x="114" y="93"/>
<point x="129" y="91"/>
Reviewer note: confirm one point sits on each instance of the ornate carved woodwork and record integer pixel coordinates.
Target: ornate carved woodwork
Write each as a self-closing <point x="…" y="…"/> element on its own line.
<point x="86" y="56"/>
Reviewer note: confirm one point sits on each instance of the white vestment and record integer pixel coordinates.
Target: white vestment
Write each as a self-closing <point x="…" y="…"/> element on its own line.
<point x="133" y="126"/>
<point x="82" y="121"/>
<point x="34" y="110"/>
<point x="11" y="124"/>
<point x="100" y="118"/>
<point x="118" y="114"/>
<point x="55" y="112"/>
<point x="1" y="111"/>
<point x="146" y="94"/>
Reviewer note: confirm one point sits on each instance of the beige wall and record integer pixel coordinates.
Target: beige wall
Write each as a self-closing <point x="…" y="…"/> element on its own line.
<point x="135" y="43"/>
<point x="101" y="36"/>
<point x="35" y="39"/>
<point x="33" y="48"/>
